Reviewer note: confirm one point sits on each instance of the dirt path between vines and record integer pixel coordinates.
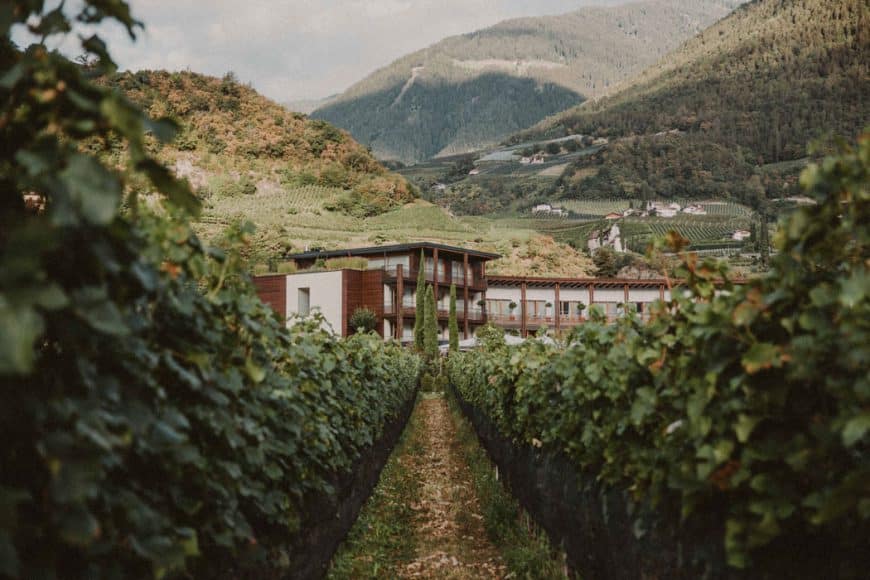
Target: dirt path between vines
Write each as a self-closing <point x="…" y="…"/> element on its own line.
<point x="450" y="538"/>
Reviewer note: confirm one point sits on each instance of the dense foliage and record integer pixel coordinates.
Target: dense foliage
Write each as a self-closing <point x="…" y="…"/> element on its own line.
<point x="430" y="326"/>
<point x="473" y="90"/>
<point x="231" y="137"/>
<point x="749" y="403"/>
<point x="156" y="417"/>
<point x="736" y="103"/>
<point x="420" y="303"/>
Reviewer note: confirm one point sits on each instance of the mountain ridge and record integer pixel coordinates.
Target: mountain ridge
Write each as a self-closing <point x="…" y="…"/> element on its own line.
<point x="755" y="88"/>
<point x="570" y="57"/>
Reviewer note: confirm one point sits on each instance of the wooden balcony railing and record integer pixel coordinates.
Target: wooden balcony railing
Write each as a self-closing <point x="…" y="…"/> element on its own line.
<point x="429" y="275"/>
<point x="474" y="314"/>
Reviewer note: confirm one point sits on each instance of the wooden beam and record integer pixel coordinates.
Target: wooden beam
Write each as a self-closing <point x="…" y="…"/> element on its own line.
<point x="465" y="292"/>
<point x="558" y="307"/>
<point x="435" y="272"/>
<point x="523" y="313"/>
<point x="400" y="301"/>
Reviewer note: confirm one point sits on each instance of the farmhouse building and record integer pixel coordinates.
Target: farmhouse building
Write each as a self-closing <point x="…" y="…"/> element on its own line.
<point x="388" y="287"/>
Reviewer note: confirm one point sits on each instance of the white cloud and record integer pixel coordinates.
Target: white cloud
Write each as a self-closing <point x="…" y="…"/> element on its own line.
<point x="293" y="49"/>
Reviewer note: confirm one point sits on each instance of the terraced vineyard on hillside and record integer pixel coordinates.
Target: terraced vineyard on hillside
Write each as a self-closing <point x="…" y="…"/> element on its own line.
<point x="703" y="231"/>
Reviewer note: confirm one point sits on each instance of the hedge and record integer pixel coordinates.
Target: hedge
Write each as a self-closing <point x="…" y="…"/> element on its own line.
<point x="751" y="398"/>
<point x="157" y="420"/>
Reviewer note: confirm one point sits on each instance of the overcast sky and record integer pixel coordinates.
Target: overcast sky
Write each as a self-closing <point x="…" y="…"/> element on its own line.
<point x="299" y="49"/>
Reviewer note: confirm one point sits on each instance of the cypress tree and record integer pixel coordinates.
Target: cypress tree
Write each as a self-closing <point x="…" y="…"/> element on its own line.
<point x="420" y="305"/>
<point x="452" y="324"/>
<point x="430" y="326"/>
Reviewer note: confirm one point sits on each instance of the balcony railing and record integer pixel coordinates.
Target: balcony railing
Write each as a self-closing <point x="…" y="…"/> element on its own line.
<point x="429" y="276"/>
<point x="474" y="314"/>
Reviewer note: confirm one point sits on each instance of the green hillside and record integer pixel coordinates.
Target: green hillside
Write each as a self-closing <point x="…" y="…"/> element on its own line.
<point x="235" y="142"/>
<point x="731" y="112"/>
<point x="303" y="183"/>
<point x="473" y="90"/>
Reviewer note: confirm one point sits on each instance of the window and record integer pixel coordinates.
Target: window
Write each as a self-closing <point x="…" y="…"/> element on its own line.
<point x="409" y="298"/>
<point x="536" y="308"/>
<point x="394" y="261"/>
<point x="500" y="308"/>
<point x="304" y="307"/>
<point x="457" y="271"/>
<point x="572" y="309"/>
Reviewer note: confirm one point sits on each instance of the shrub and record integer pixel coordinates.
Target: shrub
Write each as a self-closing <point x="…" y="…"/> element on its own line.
<point x="363" y="320"/>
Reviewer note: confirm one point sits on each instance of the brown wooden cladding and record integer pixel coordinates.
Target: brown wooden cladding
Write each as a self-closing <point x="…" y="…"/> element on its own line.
<point x="272" y="290"/>
<point x="362" y="288"/>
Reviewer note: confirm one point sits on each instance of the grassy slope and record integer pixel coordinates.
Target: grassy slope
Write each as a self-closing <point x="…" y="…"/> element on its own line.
<point x="230" y="133"/>
<point x="745" y="96"/>
<point x="501" y="79"/>
<point x="251" y="159"/>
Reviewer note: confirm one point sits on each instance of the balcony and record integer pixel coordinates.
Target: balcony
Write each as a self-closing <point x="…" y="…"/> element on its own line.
<point x="444" y="278"/>
<point x="474" y="314"/>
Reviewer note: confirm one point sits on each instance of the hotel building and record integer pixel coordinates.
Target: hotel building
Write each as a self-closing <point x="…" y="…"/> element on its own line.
<point x="388" y="287"/>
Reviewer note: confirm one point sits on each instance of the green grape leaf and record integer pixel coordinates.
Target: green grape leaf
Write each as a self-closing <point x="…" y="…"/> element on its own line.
<point x="21" y="327"/>
<point x="94" y="190"/>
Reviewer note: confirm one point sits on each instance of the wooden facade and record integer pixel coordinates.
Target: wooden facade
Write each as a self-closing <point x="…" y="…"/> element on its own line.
<point x="272" y="290"/>
<point x="362" y="289"/>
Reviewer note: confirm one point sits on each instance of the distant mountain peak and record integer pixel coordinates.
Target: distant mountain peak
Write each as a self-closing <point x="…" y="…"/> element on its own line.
<point x="473" y="90"/>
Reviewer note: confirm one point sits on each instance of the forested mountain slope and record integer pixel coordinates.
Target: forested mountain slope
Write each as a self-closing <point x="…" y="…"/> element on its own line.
<point x="731" y="111"/>
<point x="469" y="91"/>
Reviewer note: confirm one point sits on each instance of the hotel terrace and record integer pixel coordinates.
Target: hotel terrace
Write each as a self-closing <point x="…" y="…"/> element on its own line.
<point x="388" y="284"/>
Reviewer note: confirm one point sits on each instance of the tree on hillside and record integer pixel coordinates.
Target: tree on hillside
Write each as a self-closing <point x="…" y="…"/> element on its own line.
<point x="430" y="326"/>
<point x="420" y="303"/>
<point x="606" y="262"/>
<point x="452" y="324"/>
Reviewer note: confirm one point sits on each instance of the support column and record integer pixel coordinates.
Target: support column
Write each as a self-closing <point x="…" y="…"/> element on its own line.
<point x="400" y="301"/>
<point x="435" y="272"/>
<point x="435" y="287"/>
<point x="558" y="307"/>
<point x="523" y="320"/>
<point x="591" y="298"/>
<point x="625" y="294"/>
<point x="662" y="292"/>
<point x="465" y="293"/>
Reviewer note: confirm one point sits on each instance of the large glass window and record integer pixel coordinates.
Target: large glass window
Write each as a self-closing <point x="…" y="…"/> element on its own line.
<point x="571" y="309"/>
<point x="409" y="299"/>
<point x="501" y="308"/>
<point x="536" y="308"/>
